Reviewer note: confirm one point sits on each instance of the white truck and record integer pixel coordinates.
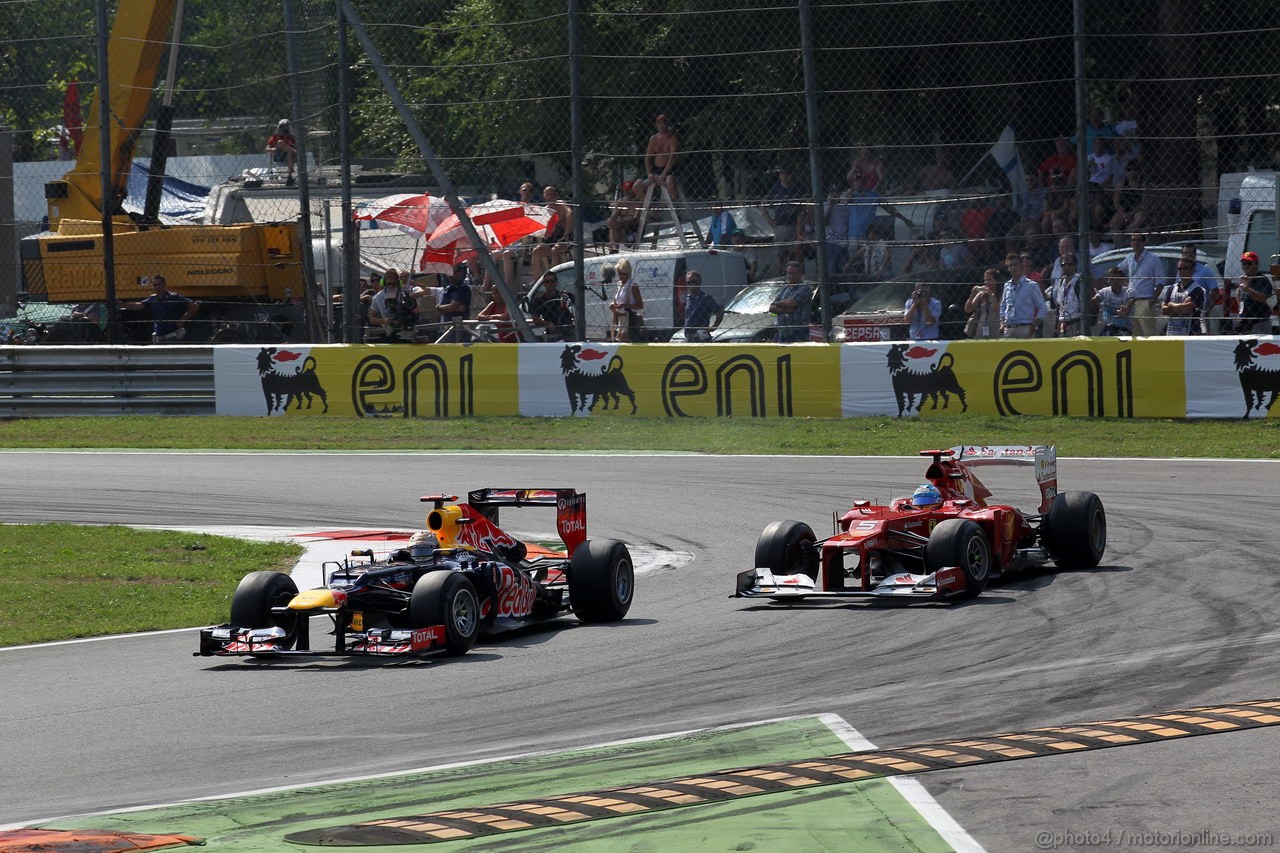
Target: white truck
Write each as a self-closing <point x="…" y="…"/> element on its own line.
<point x="660" y="275"/>
<point x="1251" y="222"/>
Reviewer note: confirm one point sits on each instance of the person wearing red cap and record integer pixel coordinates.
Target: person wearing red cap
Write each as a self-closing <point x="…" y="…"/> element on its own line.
<point x="1257" y="297"/>
<point x="660" y="160"/>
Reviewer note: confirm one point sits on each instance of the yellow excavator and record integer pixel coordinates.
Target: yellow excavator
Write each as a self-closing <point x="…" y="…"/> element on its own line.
<point x="248" y="278"/>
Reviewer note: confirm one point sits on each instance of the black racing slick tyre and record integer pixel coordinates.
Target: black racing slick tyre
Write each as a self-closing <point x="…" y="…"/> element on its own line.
<point x="448" y="599"/>
<point x="960" y="542"/>
<point x="257" y="593"/>
<point x="1075" y="530"/>
<point x="602" y="580"/>
<point x="787" y="548"/>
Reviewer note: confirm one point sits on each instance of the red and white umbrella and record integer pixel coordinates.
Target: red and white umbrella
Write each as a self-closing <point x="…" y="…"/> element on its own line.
<point x="414" y="214"/>
<point x="499" y="223"/>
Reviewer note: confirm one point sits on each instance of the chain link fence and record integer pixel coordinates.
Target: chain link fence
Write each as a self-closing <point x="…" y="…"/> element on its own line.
<point x="870" y="140"/>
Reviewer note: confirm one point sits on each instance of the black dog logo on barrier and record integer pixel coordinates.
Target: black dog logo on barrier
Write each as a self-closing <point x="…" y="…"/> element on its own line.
<point x="281" y="389"/>
<point x="907" y="383"/>
<point x="608" y="384"/>
<point x="1256" y="382"/>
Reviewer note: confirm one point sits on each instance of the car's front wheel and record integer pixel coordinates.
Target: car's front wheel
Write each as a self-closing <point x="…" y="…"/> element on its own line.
<point x="448" y="599"/>
<point x="257" y="594"/>
<point x="960" y="542"/>
<point x="788" y="548"/>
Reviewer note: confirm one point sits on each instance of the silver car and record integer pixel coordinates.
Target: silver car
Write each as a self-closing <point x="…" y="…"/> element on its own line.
<point x="1169" y="254"/>
<point x="747" y="319"/>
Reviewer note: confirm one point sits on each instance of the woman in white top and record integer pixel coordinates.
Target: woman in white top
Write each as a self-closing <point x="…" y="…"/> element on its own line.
<point x="627" y="306"/>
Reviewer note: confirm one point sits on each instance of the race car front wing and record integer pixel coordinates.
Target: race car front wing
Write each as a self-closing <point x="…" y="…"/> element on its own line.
<point x="763" y="583"/>
<point x="232" y="641"/>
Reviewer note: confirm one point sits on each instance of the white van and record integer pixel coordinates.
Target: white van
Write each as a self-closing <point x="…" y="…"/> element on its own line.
<point x="660" y="275"/>
<point x="1254" y="230"/>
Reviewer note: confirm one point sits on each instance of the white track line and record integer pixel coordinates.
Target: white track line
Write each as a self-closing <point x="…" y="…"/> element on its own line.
<point x="912" y="791"/>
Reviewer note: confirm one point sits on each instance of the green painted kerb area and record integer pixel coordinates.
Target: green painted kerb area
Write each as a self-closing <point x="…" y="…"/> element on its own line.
<point x="856" y="816"/>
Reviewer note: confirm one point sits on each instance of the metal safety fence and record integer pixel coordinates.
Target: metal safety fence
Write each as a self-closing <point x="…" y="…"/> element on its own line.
<point x="867" y="140"/>
<point x="57" y="381"/>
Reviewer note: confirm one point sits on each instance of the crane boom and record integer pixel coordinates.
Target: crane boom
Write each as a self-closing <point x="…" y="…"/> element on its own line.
<point x="138" y="40"/>
<point x="246" y="276"/>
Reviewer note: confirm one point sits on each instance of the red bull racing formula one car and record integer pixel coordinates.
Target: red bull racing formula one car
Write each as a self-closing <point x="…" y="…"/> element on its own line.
<point x="944" y="542"/>
<point x="461" y="577"/>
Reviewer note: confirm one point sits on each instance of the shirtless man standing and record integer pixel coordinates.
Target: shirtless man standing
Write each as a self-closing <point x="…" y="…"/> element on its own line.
<point x="660" y="160"/>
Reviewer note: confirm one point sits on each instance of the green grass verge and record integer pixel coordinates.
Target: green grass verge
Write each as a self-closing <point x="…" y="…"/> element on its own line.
<point x="855" y="436"/>
<point x="59" y="581"/>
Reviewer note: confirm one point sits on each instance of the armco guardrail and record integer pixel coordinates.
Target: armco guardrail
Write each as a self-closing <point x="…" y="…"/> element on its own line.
<point x="45" y="381"/>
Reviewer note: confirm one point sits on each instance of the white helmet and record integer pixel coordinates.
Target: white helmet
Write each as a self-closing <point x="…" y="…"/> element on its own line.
<point x="423" y="544"/>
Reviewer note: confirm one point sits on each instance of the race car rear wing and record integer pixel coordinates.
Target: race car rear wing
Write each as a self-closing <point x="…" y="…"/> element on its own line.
<point x="1044" y="457"/>
<point x="570" y="504"/>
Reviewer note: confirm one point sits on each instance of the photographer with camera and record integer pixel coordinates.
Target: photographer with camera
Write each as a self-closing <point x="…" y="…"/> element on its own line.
<point x="394" y="309"/>
<point x="983" y="307"/>
<point x="921" y="313"/>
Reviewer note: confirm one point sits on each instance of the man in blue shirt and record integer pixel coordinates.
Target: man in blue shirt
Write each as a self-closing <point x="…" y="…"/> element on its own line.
<point x="1146" y="281"/>
<point x="455" y="305"/>
<point x="784" y="196"/>
<point x="922" y="312"/>
<point x="1204" y="277"/>
<point x="1183" y="301"/>
<point x="169" y="311"/>
<point x="699" y="309"/>
<point x="793" y="306"/>
<point x="1022" y="305"/>
<point x="724" y="229"/>
<point x="1112" y="303"/>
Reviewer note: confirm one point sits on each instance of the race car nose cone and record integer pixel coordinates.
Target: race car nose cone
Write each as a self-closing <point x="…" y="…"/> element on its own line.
<point x="312" y="599"/>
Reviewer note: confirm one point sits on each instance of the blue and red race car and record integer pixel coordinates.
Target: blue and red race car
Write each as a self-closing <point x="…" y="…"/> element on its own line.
<point x="461" y="577"/>
<point x="948" y="545"/>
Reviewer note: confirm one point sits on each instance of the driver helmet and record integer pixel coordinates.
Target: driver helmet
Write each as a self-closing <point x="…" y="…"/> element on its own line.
<point x="926" y="497"/>
<point x="423" y="544"/>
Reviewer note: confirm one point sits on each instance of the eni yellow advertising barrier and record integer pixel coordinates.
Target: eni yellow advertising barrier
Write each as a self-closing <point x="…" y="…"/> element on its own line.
<point x="1081" y="377"/>
<point x="1195" y="377"/>
<point x="553" y="380"/>
<point x="370" y="381"/>
<point x="1103" y="377"/>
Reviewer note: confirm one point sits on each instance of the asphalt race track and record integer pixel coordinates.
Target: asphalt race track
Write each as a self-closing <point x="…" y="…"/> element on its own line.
<point x="1183" y="613"/>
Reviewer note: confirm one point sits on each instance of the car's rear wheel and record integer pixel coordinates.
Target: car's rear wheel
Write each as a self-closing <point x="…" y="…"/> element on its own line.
<point x="960" y="542"/>
<point x="602" y="580"/>
<point x="257" y="594"/>
<point x="449" y="599"/>
<point x="1075" y="531"/>
<point x="787" y="548"/>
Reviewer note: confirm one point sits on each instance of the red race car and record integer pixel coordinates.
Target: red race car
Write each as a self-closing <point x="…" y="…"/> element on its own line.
<point x="946" y="541"/>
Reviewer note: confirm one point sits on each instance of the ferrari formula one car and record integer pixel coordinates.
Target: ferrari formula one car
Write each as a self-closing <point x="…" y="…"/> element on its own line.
<point x="461" y="577"/>
<point x="947" y="545"/>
